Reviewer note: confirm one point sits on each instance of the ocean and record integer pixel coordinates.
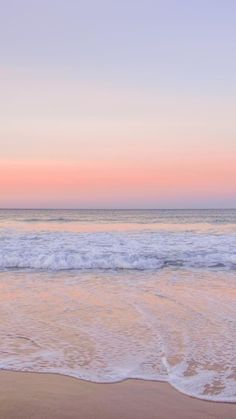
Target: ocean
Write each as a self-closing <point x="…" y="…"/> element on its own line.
<point x="107" y="295"/>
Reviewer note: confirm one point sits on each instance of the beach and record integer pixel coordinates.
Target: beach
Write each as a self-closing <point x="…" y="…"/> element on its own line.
<point x="37" y="396"/>
<point x="117" y="210"/>
<point x="145" y="299"/>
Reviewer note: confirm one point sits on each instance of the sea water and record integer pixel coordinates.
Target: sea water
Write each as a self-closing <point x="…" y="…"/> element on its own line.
<point x="106" y="295"/>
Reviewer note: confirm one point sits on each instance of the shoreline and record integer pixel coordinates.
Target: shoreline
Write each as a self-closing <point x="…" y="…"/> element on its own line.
<point x="43" y="395"/>
<point x="105" y="383"/>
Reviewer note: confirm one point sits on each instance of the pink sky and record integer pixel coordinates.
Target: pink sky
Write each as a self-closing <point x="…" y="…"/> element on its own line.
<point x="67" y="144"/>
<point x="92" y="183"/>
<point x="122" y="104"/>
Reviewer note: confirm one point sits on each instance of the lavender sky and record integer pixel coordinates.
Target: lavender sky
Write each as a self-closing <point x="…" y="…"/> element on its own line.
<point x="127" y="104"/>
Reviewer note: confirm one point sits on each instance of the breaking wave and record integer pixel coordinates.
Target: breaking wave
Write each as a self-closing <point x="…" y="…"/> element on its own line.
<point x="113" y="251"/>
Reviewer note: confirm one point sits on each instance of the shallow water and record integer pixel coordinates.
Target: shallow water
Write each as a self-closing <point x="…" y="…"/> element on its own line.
<point x="110" y="295"/>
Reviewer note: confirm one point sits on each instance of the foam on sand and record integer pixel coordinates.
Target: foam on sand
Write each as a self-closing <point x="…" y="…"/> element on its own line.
<point x="175" y="327"/>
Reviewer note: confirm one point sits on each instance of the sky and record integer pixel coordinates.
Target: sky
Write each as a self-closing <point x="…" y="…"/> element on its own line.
<point x="107" y="104"/>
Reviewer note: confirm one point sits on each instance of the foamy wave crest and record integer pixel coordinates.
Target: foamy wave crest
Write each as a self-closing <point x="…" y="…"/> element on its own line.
<point x="135" y="251"/>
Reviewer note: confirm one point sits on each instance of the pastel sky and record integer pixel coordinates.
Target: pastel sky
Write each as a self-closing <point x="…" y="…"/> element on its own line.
<point x="118" y="104"/>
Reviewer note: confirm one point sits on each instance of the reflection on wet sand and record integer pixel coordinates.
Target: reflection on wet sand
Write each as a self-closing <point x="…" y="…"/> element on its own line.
<point x="176" y="326"/>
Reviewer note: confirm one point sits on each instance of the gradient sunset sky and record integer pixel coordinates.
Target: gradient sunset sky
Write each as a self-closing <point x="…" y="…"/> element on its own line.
<point x="117" y="104"/>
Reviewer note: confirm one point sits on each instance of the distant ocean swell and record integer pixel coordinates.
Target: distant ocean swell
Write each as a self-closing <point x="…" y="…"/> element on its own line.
<point x="113" y="251"/>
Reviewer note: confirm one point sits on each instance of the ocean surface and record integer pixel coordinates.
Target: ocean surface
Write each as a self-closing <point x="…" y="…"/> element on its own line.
<point x="106" y="295"/>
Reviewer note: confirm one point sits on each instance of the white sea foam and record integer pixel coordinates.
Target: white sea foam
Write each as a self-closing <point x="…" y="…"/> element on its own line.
<point x="85" y="293"/>
<point x="177" y="327"/>
<point x="101" y="251"/>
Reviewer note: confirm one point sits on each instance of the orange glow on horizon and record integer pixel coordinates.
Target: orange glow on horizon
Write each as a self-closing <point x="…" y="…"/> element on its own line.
<point x="91" y="181"/>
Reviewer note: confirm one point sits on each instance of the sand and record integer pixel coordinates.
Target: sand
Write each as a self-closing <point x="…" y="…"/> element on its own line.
<point x="49" y="396"/>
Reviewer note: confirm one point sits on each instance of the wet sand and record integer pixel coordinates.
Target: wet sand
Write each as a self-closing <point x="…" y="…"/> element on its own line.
<point x="49" y="396"/>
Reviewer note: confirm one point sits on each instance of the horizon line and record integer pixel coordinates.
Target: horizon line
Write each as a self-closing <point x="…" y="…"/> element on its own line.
<point x="115" y="209"/>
